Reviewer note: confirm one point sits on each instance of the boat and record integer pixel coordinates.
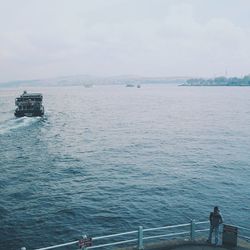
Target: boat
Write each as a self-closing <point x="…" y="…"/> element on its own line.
<point x="88" y="85"/>
<point x="29" y="104"/>
<point x="130" y="85"/>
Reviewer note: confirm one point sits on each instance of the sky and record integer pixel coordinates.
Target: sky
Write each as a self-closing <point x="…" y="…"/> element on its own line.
<point x="156" y="38"/>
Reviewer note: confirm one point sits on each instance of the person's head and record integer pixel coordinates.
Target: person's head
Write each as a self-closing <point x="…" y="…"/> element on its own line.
<point x="216" y="209"/>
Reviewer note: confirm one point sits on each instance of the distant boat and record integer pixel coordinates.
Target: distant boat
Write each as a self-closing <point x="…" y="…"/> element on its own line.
<point x="88" y="85"/>
<point x="138" y="86"/>
<point x="29" y="104"/>
<point x="130" y="85"/>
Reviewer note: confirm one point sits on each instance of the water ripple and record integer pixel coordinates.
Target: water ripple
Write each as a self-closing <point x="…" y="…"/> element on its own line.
<point x="99" y="165"/>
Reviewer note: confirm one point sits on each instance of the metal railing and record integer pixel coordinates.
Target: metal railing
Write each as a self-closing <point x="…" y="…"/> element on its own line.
<point x="188" y="230"/>
<point x="242" y="233"/>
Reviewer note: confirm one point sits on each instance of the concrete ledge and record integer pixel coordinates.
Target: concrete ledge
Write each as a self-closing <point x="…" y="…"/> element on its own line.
<point x="181" y="244"/>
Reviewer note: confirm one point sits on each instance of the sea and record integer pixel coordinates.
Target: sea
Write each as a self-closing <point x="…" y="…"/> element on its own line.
<point x="108" y="159"/>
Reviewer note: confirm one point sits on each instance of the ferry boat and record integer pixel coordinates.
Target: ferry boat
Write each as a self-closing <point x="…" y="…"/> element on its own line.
<point x="29" y="104"/>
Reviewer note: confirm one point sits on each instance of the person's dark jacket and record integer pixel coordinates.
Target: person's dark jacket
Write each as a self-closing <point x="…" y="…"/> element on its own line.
<point x="215" y="219"/>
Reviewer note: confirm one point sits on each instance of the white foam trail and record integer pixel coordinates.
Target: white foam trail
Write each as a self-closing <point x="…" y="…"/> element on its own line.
<point x="17" y="123"/>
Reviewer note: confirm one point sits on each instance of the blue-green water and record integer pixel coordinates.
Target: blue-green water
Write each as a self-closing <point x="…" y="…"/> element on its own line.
<point x="108" y="159"/>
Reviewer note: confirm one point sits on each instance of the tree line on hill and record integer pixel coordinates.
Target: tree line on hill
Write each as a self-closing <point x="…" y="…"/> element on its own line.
<point x="219" y="81"/>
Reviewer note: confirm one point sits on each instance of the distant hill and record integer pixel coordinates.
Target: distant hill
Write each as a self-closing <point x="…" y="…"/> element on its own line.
<point x="219" y="81"/>
<point x="87" y="80"/>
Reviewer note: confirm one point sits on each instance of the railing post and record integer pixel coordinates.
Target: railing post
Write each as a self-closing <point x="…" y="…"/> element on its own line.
<point x="192" y="230"/>
<point x="140" y="238"/>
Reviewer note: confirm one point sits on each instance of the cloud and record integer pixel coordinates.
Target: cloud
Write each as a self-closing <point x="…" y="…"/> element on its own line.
<point x="49" y="38"/>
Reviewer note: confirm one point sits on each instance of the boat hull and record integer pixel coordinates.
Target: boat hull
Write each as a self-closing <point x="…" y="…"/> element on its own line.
<point x="29" y="113"/>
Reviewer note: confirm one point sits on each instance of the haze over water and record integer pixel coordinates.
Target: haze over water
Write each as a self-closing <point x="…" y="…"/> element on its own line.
<point x="108" y="159"/>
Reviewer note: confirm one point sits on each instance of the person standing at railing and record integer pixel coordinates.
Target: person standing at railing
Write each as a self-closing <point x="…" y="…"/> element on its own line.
<point x="215" y="221"/>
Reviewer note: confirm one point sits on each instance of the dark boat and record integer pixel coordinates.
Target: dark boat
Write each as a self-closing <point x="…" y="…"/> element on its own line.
<point x="29" y="104"/>
<point x="130" y="85"/>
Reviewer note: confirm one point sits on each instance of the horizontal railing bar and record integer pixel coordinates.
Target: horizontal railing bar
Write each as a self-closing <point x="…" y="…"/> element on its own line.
<point x="113" y="235"/>
<point x="201" y="230"/>
<point x="56" y="246"/>
<point x="166" y="227"/>
<point x="201" y="222"/>
<point x="245" y="237"/>
<point x="165" y="235"/>
<point x="244" y="228"/>
<point x="113" y="244"/>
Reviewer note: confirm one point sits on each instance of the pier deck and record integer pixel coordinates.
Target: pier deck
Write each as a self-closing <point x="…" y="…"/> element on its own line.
<point x="200" y="244"/>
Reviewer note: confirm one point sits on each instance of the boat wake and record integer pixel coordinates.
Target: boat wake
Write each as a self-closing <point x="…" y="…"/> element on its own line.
<point x="17" y="123"/>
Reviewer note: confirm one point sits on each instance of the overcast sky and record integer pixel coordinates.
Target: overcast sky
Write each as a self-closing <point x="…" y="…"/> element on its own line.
<point x="47" y="38"/>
